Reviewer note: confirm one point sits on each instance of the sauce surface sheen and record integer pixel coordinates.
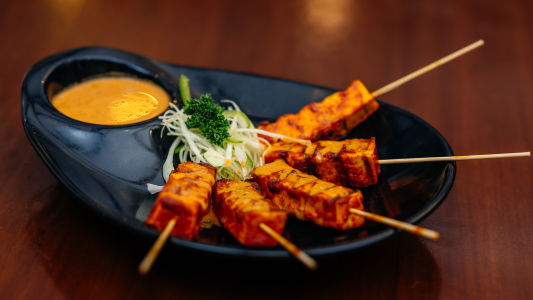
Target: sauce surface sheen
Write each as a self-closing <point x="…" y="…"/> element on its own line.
<point x="112" y="100"/>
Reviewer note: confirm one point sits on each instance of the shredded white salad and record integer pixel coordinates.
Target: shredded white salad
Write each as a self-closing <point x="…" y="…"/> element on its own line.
<point x="241" y="152"/>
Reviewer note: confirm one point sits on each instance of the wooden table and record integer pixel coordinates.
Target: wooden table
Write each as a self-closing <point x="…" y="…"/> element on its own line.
<point x="54" y="247"/>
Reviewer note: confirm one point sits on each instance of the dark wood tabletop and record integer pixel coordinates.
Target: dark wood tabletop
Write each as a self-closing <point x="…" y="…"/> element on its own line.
<point x="52" y="246"/>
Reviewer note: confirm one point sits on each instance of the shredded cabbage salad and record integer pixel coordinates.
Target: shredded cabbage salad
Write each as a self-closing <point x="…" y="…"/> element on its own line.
<point x="239" y="154"/>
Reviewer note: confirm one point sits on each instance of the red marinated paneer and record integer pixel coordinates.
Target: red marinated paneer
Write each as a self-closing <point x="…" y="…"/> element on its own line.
<point x="308" y="197"/>
<point x="186" y="197"/>
<point x="241" y="208"/>
<point x="327" y="120"/>
<point x="351" y="162"/>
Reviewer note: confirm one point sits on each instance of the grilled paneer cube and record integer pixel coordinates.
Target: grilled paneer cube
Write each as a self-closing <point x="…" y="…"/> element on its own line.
<point x="241" y="208"/>
<point x="327" y="120"/>
<point x="351" y="162"/>
<point x="185" y="197"/>
<point x="308" y="197"/>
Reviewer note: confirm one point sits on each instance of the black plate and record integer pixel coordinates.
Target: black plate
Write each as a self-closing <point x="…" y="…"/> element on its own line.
<point x="108" y="167"/>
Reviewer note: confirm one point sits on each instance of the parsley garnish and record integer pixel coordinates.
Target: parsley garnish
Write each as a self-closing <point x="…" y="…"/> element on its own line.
<point x="207" y="117"/>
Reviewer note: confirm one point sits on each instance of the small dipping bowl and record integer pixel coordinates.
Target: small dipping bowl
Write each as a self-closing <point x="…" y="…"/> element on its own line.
<point x="107" y="166"/>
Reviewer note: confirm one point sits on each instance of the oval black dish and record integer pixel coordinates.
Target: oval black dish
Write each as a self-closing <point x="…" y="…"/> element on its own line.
<point x="108" y="167"/>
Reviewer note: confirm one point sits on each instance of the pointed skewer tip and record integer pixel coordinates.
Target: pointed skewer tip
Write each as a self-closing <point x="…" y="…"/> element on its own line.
<point x="421" y="231"/>
<point x="148" y="261"/>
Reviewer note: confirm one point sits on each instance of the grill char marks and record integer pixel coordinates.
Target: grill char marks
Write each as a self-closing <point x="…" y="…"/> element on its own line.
<point x="308" y="197"/>
<point x="330" y="119"/>
<point x="186" y="198"/>
<point x="352" y="162"/>
<point x="241" y="208"/>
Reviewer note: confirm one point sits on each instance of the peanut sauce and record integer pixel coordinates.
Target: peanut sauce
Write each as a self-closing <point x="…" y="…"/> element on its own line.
<point x="112" y="100"/>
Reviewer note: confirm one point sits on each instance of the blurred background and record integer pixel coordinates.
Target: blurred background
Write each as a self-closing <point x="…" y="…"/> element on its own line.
<point x="54" y="247"/>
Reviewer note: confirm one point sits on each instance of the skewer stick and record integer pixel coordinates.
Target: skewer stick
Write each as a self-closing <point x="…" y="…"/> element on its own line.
<point x="146" y="263"/>
<point x="307" y="260"/>
<point x="451" y="158"/>
<point x="391" y="86"/>
<point x="427" y="233"/>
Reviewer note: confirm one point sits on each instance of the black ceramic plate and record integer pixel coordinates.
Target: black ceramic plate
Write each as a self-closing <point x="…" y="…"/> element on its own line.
<point x="108" y="167"/>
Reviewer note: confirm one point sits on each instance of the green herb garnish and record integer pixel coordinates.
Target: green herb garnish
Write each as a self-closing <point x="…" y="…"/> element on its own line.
<point x="177" y="150"/>
<point x="249" y="161"/>
<point x="208" y="118"/>
<point x="185" y="91"/>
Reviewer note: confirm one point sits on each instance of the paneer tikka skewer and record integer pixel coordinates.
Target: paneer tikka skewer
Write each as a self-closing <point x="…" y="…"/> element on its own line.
<point x="180" y="206"/>
<point x="324" y="203"/>
<point x="241" y="207"/>
<point x="340" y="112"/>
<point x="186" y="198"/>
<point x="329" y="119"/>
<point x="252" y="219"/>
<point x="351" y="162"/>
<point x="309" y="198"/>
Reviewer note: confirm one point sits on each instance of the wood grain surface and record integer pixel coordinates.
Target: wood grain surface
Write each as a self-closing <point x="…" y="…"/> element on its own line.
<point x="54" y="247"/>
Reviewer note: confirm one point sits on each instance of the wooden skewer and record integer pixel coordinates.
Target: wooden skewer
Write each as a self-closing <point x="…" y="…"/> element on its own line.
<point x="146" y="263"/>
<point x="427" y="233"/>
<point x="391" y="86"/>
<point x="451" y="158"/>
<point x="307" y="260"/>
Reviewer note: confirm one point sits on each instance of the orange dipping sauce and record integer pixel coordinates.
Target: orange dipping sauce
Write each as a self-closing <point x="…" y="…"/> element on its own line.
<point x="112" y="100"/>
